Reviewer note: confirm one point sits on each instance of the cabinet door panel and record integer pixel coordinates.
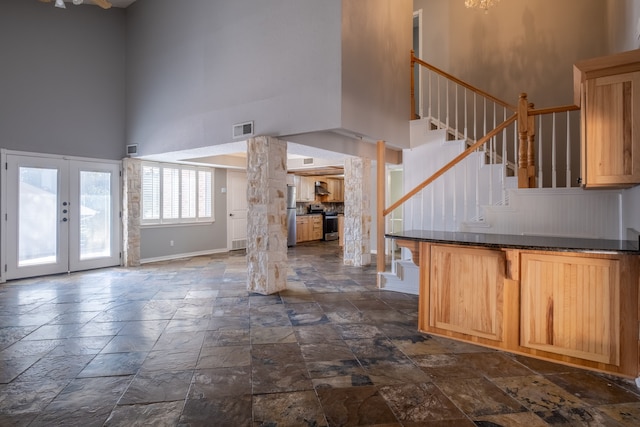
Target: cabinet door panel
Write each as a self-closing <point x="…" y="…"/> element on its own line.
<point x="613" y="130"/>
<point x="466" y="291"/>
<point x="571" y="306"/>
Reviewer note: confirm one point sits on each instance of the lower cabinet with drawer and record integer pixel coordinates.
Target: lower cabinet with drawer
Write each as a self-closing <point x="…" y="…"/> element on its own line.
<point x="574" y="308"/>
<point x="308" y="227"/>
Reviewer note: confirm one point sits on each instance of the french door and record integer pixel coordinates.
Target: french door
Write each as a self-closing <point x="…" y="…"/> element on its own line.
<point x="61" y="215"/>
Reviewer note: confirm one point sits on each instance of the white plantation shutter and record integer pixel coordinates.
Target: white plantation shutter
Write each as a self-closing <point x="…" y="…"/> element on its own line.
<point x="150" y="193"/>
<point x="204" y="194"/>
<point x="188" y="196"/>
<point x="170" y="193"/>
<point x="173" y="194"/>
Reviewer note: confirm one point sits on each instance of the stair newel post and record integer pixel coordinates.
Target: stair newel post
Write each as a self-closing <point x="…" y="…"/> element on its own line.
<point x="414" y="116"/>
<point x="531" y="148"/>
<point x="380" y="202"/>
<point x="523" y="124"/>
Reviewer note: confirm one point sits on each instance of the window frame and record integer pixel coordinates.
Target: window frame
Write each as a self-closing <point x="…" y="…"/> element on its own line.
<point x="196" y="197"/>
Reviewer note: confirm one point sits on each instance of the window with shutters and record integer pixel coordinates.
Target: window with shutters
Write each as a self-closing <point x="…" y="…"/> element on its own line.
<point x="176" y="194"/>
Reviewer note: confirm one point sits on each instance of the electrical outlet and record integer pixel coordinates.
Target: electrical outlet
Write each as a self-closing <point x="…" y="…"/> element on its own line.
<point x="170" y="242"/>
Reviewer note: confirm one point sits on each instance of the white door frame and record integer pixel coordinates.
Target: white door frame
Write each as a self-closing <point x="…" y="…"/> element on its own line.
<point x="113" y="165"/>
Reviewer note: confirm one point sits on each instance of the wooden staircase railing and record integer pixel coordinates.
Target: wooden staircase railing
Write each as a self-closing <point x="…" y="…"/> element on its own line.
<point x="523" y="115"/>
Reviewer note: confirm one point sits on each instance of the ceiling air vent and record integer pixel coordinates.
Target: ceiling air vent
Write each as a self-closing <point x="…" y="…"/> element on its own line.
<point x="307" y="161"/>
<point x="243" y="129"/>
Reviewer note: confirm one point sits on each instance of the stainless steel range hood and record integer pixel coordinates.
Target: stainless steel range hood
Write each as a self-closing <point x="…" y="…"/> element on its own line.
<point x="321" y="188"/>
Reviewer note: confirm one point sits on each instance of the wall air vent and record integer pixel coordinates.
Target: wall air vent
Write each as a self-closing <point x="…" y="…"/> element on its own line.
<point x="243" y="129"/>
<point x="307" y="161"/>
<point x="132" y="149"/>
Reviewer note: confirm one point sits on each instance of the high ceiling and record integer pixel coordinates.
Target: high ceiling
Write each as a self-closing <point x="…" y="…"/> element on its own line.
<point x="303" y="159"/>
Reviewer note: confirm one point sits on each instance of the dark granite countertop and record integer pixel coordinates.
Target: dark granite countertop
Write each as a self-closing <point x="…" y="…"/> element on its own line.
<point x="513" y="241"/>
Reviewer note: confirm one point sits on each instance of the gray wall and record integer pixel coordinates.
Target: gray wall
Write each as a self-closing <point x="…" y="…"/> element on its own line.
<point x="519" y="46"/>
<point x="376" y="44"/>
<point x="62" y="87"/>
<point x="623" y="16"/>
<point x="193" y="72"/>
<point x="155" y="241"/>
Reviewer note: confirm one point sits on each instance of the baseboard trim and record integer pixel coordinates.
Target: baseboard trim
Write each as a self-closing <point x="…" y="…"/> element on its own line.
<point x="184" y="255"/>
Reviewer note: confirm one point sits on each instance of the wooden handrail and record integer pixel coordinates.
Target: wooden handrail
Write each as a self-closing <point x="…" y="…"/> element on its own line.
<point x="551" y="110"/>
<point x="451" y="164"/>
<point x="472" y="88"/>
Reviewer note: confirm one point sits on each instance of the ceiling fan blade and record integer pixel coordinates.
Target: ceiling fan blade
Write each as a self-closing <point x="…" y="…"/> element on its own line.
<point x="102" y="3"/>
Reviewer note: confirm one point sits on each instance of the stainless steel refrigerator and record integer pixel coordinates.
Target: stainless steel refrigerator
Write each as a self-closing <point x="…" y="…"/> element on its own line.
<point x="291" y="215"/>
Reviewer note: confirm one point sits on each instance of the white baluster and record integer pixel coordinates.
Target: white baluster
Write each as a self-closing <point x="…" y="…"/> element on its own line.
<point x="568" y="150"/>
<point x="540" y="156"/>
<point x="429" y="101"/>
<point x="466" y="121"/>
<point x="553" y="153"/>
<point x="504" y="159"/>
<point x="447" y="103"/>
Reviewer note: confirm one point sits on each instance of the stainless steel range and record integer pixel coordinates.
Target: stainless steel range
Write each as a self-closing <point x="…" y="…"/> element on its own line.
<point x="329" y="221"/>
<point x="330" y="225"/>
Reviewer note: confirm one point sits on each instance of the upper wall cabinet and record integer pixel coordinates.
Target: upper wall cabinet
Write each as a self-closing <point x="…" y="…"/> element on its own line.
<point x="305" y="188"/>
<point x="608" y="90"/>
<point x="335" y="186"/>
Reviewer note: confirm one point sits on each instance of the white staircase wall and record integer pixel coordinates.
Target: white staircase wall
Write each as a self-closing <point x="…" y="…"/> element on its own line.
<point x="568" y="212"/>
<point x="458" y="195"/>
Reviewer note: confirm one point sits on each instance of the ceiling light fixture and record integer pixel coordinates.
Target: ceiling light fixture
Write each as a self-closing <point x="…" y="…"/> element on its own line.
<point x="105" y="4"/>
<point x="481" y="4"/>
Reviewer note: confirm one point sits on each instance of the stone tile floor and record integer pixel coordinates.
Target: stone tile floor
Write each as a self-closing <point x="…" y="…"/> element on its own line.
<point x="182" y="343"/>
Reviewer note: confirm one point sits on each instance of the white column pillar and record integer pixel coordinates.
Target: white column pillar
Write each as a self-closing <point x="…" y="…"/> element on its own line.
<point x="357" y="212"/>
<point x="266" y="216"/>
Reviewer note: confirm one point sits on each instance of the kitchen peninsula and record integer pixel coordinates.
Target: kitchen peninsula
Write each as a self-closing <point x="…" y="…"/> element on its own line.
<point x="568" y="300"/>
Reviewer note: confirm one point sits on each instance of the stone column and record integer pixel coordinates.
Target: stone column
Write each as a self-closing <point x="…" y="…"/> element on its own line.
<point x="357" y="212"/>
<point x="266" y="216"/>
<point x="131" y="207"/>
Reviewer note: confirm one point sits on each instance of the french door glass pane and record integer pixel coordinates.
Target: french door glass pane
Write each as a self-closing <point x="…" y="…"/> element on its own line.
<point x="38" y="213"/>
<point x="95" y="214"/>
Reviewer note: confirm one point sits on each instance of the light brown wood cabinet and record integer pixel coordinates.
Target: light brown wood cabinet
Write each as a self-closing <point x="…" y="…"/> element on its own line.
<point x="308" y="227"/>
<point x="466" y="291"/>
<point x="302" y="229"/>
<point x="609" y="95"/>
<point x="305" y="188"/>
<point x="316" y="227"/>
<point x="335" y="186"/>
<point x="571" y="307"/>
